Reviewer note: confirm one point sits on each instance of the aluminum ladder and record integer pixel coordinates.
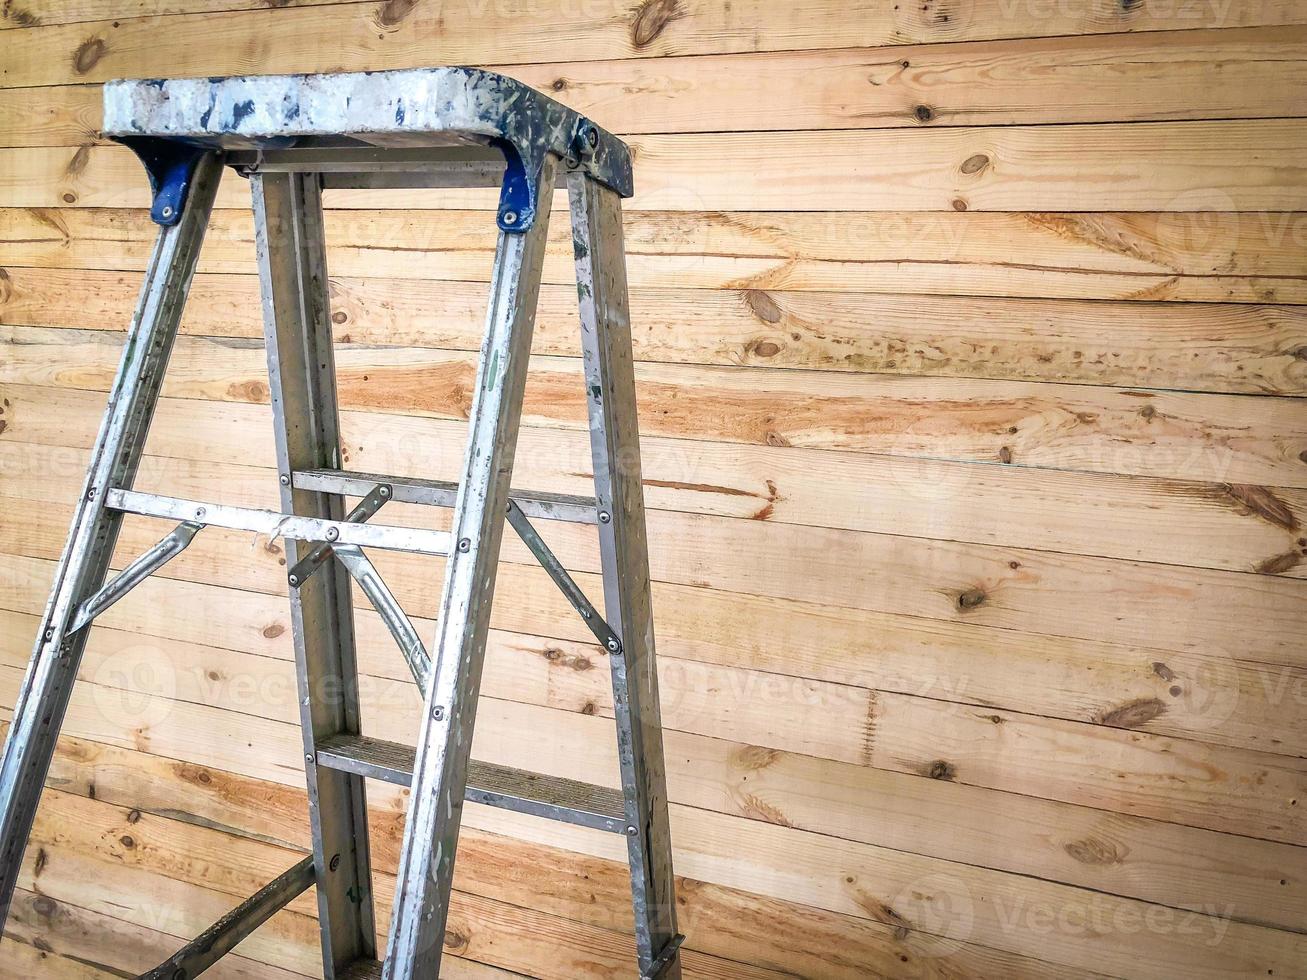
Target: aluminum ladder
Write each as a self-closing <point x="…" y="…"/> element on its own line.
<point x="294" y="136"/>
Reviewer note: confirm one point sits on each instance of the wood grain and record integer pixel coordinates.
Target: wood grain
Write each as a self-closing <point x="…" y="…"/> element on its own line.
<point x="368" y="36"/>
<point x="1171" y="167"/>
<point x="1186" y="256"/>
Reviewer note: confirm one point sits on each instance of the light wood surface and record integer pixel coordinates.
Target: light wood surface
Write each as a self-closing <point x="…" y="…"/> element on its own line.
<point x="971" y="356"/>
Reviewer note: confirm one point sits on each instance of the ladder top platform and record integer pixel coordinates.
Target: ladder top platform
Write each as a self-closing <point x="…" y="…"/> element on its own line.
<point x="404" y="109"/>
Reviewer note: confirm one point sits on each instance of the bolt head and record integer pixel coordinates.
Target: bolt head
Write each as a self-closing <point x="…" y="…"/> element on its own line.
<point x="605" y="517"/>
<point x="438" y="713"/>
<point x="285" y="479"/>
<point x="592" y="137"/>
<point x="293" y="579"/>
<point x="632" y="830"/>
<point x="200" y="511"/>
<point x="510" y="217"/>
<point x="464" y="544"/>
<point x="308" y="757"/>
<point x="167" y="211"/>
<point x="614" y="646"/>
<point x="333" y="533"/>
<point x="383" y="492"/>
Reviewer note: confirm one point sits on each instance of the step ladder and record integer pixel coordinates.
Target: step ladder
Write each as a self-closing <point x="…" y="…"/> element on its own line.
<point x="293" y="136"/>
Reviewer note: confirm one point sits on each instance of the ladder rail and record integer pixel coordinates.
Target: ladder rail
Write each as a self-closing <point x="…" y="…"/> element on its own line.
<point x="608" y="363"/>
<point x="444" y="747"/>
<point x="291" y="247"/>
<point x="47" y="684"/>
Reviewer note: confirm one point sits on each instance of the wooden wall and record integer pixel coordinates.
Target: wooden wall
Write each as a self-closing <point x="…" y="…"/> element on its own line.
<point x="972" y="361"/>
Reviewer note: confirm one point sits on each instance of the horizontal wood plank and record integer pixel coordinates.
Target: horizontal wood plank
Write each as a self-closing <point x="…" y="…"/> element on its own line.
<point x="368" y="36"/>
<point x="1228" y="348"/>
<point x="1187" y="256"/>
<point x="1259" y="72"/>
<point x="1170" y="167"/>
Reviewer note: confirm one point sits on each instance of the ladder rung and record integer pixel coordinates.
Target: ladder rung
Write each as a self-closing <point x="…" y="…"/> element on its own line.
<point x="415" y="539"/>
<point x="552" y="797"/>
<point x="441" y="493"/>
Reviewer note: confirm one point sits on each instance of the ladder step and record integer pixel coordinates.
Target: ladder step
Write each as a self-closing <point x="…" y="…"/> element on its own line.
<point x="441" y="493"/>
<point x="552" y="797"/>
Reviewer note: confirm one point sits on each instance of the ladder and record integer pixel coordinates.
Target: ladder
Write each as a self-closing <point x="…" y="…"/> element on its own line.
<point x="294" y="136"/>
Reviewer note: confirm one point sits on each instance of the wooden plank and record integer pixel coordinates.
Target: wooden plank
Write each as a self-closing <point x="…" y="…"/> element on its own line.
<point x="1178" y="435"/>
<point x="1227" y="348"/>
<point x="44" y="13"/>
<point x="1253" y="165"/>
<point x="1237" y="528"/>
<point x="369" y="36"/>
<point x="1182" y="256"/>
<point x="1258" y="72"/>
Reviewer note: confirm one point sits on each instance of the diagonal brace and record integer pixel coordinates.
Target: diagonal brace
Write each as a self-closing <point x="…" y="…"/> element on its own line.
<point x="549" y="561"/>
<point x="177" y="541"/>
<point x="221" y="937"/>
<point x="392" y="614"/>
<point x="315" y="559"/>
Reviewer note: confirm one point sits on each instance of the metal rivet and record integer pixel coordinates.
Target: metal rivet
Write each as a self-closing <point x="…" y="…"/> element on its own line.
<point x="438" y="713"/>
<point x="614" y="646"/>
<point x="179" y="974"/>
<point x="383" y="492"/>
<point x="285" y="479"/>
<point x="631" y="831"/>
<point x="308" y="757"/>
<point x="293" y="579"/>
<point x="510" y="217"/>
<point x="592" y="137"/>
<point x="335" y="862"/>
<point x="90" y="494"/>
<point x="199" y="511"/>
<point x="167" y="211"/>
<point x="333" y="533"/>
<point x="49" y="634"/>
<point x="464" y="544"/>
<point x="605" y="517"/>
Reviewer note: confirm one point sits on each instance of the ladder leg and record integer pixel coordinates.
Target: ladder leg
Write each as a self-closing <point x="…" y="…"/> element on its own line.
<point x="47" y="685"/>
<point x="615" y="448"/>
<point x="301" y="372"/>
<point x="426" y="865"/>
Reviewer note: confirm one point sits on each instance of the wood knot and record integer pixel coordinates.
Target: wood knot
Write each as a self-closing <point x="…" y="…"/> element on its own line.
<point x="1163" y="671"/>
<point x="924" y="113"/>
<point x="127" y="841"/>
<point x="78" y="162"/>
<point x="754" y="757"/>
<point x="390" y="13"/>
<point x="88" y="54"/>
<point x="959" y="204"/>
<point x="558" y="84"/>
<point x="1279" y="564"/>
<point x="972" y="598"/>
<point x="939" y="769"/>
<point x="651" y="19"/>
<point x="273" y="630"/>
<point x="1092" y="850"/>
<point x="975" y="164"/>
<point x="1132" y="714"/>
<point x="1005" y="455"/>
<point x="763" y="306"/>
<point x="1148" y="413"/>
<point x="766" y="348"/>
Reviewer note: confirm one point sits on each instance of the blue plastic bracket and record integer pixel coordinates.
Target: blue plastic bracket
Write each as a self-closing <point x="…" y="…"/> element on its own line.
<point x="170" y="164"/>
